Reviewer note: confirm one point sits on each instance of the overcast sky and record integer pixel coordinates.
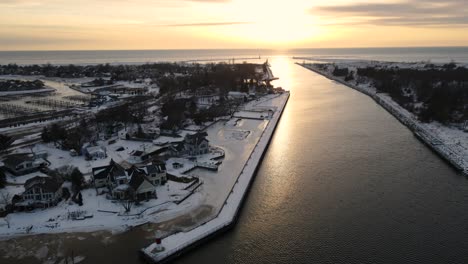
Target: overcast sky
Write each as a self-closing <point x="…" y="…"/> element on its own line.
<point x="199" y="24"/>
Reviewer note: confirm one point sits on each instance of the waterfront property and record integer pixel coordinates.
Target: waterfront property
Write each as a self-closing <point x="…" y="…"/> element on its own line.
<point x="40" y="192"/>
<point x="135" y="183"/>
<point x="176" y="243"/>
<point x="193" y="145"/>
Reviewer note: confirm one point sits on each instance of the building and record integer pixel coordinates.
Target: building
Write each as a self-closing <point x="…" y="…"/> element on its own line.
<point x="196" y="144"/>
<point x="40" y="192"/>
<point x="20" y="164"/>
<point x="193" y="145"/>
<point x="102" y="174"/>
<point x="95" y="152"/>
<point x="135" y="183"/>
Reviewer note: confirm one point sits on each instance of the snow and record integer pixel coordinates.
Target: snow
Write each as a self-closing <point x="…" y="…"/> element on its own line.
<point x="240" y="141"/>
<point x="107" y="214"/>
<point x="24" y="92"/>
<point x="449" y="141"/>
<point x="230" y="204"/>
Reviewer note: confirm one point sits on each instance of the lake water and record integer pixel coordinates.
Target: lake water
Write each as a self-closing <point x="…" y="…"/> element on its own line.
<point x="342" y="182"/>
<point x="434" y="54"/>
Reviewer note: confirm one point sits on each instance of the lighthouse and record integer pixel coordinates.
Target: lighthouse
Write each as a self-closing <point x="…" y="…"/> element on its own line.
<point x="158" y="240"/>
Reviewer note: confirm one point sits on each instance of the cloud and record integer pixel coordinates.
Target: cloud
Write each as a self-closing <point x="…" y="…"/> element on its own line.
<point x="209" y="24"/>
<point x="407" y="13"/>
<point x="18" y="3"/>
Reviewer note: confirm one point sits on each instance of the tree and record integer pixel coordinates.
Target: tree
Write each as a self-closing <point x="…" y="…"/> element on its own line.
<point x="6" y="200"/>
<point x="79" y="200"/>
<point x="45" y="135"/>
<point x="77" y="179"/>
<point x="2" y="179"/>
<point x="5" y="142"/>
<point x="127" y="204"/>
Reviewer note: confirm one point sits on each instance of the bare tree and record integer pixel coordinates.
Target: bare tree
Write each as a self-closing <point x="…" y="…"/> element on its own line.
<point x="6" y="199"/>
<point x="127" y="204"/>
<point x="129" y="200"/>
<point x="7" y="220"/>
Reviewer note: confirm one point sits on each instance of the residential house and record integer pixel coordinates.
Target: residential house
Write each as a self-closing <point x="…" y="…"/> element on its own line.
<point x="196" y="144"/>
<point x="193" y="145"/>
<point x="40" y="192"/>
<point x="20" y="164"/>
<point x="103" y="173"/>
<point x="136" y="183"/>
<point x="95" y="152"/>
<point x="148" y="152"/>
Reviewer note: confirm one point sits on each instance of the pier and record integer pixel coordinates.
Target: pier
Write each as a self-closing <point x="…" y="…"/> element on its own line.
<point x="179" y="242"/>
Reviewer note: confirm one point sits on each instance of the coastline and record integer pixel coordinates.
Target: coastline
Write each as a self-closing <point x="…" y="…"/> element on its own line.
<point x="457" y="160"/>
<point x="180" y="242"/>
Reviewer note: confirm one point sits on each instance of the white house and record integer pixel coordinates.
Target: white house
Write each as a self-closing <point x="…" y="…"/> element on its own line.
<point x="96" y="152"/>
<point x="20" y="164"/>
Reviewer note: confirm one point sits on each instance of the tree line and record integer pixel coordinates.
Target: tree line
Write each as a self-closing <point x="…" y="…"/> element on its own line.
<point x="432" y="93"/>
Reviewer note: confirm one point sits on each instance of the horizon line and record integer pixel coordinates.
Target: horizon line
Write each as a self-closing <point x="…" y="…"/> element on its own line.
<point x="271" y="49"/>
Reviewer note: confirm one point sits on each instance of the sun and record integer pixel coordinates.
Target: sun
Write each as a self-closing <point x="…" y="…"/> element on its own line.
<point x="269" y="23"/>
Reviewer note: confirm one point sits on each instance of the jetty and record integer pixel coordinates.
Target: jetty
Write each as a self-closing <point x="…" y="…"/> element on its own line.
<point x="167" y="248"/>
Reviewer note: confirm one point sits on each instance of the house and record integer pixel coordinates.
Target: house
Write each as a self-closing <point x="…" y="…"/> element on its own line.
<point x="156" y="173"/>
<point x="40" y="192"/>
<point x="148" y="152"/>
<point x="20" y="164"/>
<point x="137" y="156"/>
<point x="95" y="152"/>
<point x="193" y="145"/>
<point x="196" y="144"/>
<point x="240" y="96"/>
<point x="177" y="149"/>
<point x="169" y="127"/>
<point x="136" y="182"/>
<point x="103" y="173"/>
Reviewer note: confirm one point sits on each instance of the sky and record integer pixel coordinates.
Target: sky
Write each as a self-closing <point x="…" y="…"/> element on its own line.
<point x="208" y="24"/>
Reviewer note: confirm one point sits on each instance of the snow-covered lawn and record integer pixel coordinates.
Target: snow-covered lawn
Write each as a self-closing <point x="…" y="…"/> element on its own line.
<point x="106" y="214"/>
<point x="236" y="138"/>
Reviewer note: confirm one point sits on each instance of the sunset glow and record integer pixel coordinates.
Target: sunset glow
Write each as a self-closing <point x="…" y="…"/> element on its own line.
<point x="183" y="24"/>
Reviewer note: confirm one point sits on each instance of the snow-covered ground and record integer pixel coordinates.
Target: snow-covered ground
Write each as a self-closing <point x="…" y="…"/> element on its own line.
<point x="454" y="141"/>
<point x="106" y="214"/>
<point x="236" y="185"/>
<point x="235" y="138"/>
<point x="24" y="92"/>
